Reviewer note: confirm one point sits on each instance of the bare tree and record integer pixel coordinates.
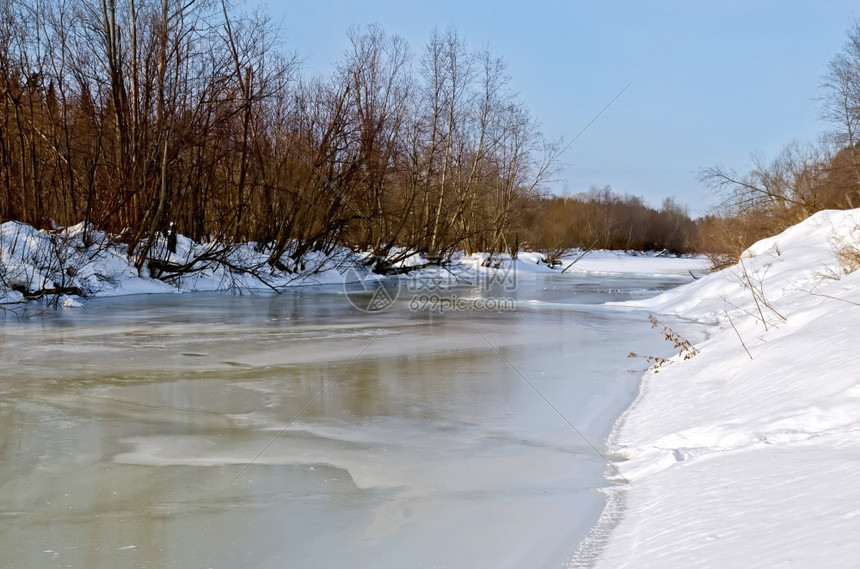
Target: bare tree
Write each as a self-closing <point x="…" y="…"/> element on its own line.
<point x="134" y="114"/>
<point x="841" y="85"/>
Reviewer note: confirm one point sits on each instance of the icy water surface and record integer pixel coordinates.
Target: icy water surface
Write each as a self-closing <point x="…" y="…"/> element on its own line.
<point x="293" y="431"/>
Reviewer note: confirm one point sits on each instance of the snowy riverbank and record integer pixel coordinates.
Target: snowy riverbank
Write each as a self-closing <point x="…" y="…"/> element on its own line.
<point x="91" y="265"/>
<point x="745" y="455"/>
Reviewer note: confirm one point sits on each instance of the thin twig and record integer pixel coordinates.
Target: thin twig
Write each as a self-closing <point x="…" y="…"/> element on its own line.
<point x="588" y="250"/>
<point x="829" y="296"/>
<point x="738" y="333"/>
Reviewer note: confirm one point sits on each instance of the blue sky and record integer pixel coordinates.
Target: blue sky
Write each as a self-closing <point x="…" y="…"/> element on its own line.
<point x="714" y="82"/>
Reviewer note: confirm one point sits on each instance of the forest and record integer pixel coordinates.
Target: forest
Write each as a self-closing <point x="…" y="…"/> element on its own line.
<point x="136" y="116"/>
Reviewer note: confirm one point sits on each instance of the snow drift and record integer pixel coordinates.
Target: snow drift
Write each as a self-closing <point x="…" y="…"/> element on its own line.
<point x="745" y="455"/>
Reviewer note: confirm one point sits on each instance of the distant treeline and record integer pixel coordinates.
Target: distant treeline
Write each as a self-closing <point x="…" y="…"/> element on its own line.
<point x="603" y="219"/>
<point x="135" y="114"/>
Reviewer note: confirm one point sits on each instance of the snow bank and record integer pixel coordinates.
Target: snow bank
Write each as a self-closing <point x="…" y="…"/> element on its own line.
<point x="745" y="455"/>
<point x="79" y="261"/>
<point x="781" y="270"/>
<point x="85" y="262"/>
<point x="604" y="262"/>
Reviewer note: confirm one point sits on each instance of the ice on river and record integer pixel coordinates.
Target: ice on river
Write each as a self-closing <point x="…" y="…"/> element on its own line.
<point x="295" y="431"/>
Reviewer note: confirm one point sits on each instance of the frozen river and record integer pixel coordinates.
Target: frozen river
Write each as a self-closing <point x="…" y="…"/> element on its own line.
<point x="293" y="431"/>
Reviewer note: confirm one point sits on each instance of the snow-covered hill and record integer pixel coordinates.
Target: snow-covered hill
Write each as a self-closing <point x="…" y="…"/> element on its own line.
<point x="746" y="455"/>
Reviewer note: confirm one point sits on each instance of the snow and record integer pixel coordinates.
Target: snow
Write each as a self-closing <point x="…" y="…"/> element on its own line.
<point x="67" y="301"/>
<point x="745" y="454"/>
<point x="98" y="266"/>
<point x="602" y="262"/>
<point x="83" y="258"/>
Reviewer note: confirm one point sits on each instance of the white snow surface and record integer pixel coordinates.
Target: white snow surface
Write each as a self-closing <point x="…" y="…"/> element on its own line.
<point x="739" y="459"/>
<point x="88" y="260"/>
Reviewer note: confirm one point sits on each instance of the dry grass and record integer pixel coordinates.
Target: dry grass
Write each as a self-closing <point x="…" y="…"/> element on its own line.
<point x="685" y="347"/>
<point x="849" y="258"/>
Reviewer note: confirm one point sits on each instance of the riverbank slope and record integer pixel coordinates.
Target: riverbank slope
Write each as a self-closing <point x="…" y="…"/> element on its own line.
<point x="745" y="454"/>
